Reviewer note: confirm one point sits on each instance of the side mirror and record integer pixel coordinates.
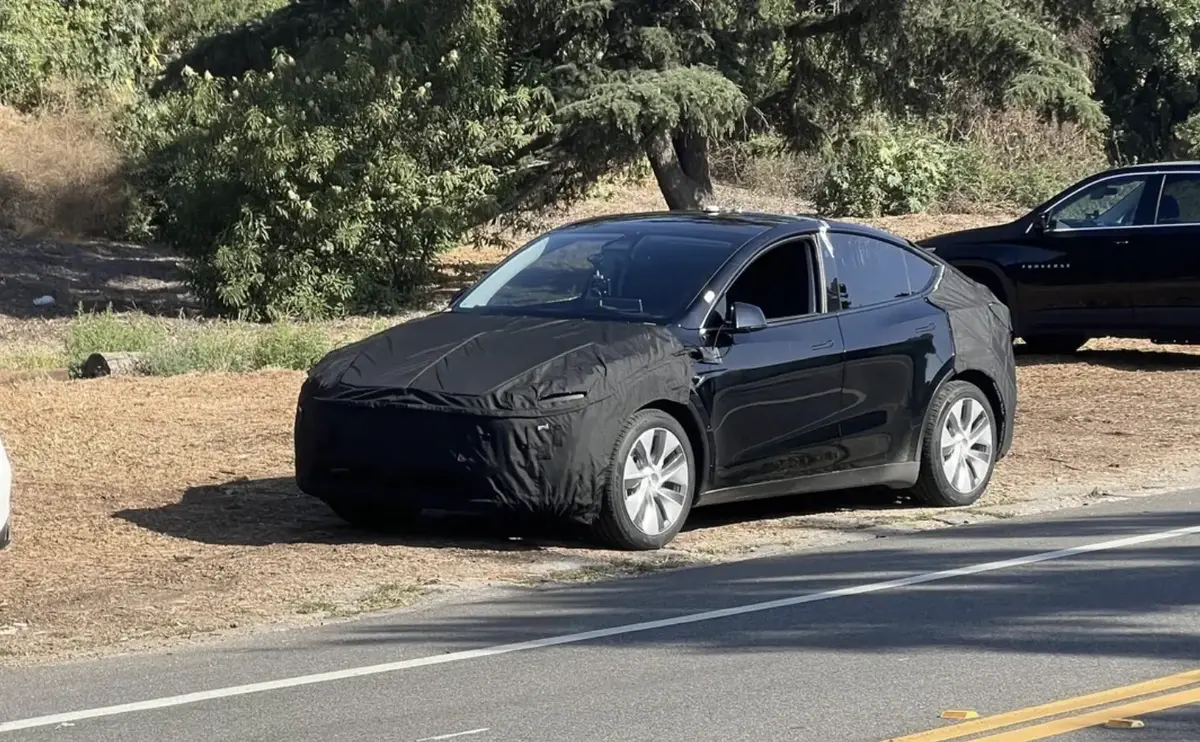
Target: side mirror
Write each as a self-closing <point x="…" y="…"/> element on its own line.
<point x="1043" y="222"/>
<point x="748" y="317"/>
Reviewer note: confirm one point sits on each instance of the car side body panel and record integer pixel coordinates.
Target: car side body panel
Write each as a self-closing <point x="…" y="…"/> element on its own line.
<point x="895" y="357"/>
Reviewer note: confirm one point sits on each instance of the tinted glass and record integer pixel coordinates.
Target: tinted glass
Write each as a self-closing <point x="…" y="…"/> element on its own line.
<point x="647" y="275"/>
<point x="1109" y="203"/>
<point x="1180" y="201"/>
<point x="779" y="282"/>
<point x="871" y="271"/>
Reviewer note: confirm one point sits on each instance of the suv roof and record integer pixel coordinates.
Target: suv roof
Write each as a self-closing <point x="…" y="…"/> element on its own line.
<point x="734" y="218"/>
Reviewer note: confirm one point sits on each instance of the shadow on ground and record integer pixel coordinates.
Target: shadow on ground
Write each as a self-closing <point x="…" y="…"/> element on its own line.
<point x="1123" y="360"/>
<point x="93" y="274"/>
<point x="1093" y="604"/>
<point x="273" y="511"/>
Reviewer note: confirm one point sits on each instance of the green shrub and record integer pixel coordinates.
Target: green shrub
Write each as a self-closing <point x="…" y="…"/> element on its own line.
<point x="1010" y="159"/>
<point x="80" y="47"/>
<point x="328" y="185"/>
<point x="880" y="170"/>
<point x="179" y="24"/>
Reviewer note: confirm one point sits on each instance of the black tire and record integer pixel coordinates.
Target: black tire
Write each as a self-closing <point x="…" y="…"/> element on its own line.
<point x="933" y="488"/>
<point x="1054" y="345"/>
<point x="615" y="528"/>
<point x="375" y="517"/>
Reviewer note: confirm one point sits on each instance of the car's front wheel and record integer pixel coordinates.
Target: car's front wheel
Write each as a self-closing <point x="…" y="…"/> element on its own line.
<point x="651" y="483"/>
<point x="958" y="452"/>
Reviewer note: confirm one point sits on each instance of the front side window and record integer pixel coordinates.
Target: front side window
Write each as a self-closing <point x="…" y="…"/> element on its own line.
<point x="779" y="282"/>
<point x="871" y="271"/>
<point x="1180" y="200"/>
<point x="1109" y="203"/>
<point x="647" y="275"/>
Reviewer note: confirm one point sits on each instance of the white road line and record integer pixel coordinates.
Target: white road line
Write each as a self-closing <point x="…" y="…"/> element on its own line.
<point x="455" y="734"/>
<point x="583" y="636"/>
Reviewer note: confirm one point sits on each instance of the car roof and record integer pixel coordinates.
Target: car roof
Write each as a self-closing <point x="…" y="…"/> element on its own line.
<point x="1153" y="166"/>
<point x="752" y="222"/>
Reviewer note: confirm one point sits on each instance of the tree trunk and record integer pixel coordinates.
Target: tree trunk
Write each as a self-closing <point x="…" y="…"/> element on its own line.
<point x="682" y="190"/>
<point x="692" y="148"/>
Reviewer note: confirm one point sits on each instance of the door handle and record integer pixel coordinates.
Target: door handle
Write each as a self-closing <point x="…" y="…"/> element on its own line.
<point x="823" y="346"/>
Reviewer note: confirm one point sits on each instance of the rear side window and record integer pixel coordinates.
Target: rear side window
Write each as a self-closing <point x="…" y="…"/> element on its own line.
<point x="1180" y="200"/>
<point x="871" y="271"/>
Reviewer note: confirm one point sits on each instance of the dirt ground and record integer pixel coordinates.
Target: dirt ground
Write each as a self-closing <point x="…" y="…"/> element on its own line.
<point x="149" y="511"/>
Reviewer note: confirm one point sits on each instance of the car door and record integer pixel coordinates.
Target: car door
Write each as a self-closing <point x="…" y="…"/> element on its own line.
<point x="1165" y="263"/>
<point x="896" y="346"/>
<point x="1082" y="284"/>
<point x="773" y="394"/>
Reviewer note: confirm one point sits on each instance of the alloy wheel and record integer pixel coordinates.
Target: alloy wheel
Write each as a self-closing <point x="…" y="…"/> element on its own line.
<point x="968" y="445"/>
<point x="656" y="481"/>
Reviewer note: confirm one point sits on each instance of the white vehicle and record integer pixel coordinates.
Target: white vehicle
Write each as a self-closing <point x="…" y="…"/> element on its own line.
<point x="5" y="487"/>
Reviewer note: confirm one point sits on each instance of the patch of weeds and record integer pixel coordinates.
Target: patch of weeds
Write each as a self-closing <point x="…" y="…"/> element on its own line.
<point x="212" y="349"/>
<point x="392" y="595"/>
<point x="110" y="332"/>
<point x="33" y="360"/>
<point x="290" y="346"/>
<point x="310" y="607"/>
<point x="619" y="567"/>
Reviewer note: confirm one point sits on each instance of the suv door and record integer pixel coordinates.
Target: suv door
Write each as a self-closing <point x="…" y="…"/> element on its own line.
<point x="1165" y="263"/>
<point x="773" y="394"/>
<point x="1083" y="283"/>
<point x="896" y="346"/>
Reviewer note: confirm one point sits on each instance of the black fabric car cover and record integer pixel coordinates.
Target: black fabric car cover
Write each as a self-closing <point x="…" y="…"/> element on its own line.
<point x="981" y="328"/>
<point x="520" y="413"/>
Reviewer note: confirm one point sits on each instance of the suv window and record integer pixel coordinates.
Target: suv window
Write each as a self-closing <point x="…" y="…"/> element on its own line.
<point x="871" y="271"/>
<point x="779" y="282"/>
<point x="1180" y="199"/>
<point x="1109" y="203"/>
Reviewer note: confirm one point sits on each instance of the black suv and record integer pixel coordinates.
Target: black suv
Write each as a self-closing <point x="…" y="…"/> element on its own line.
<point x="1115" y="255"/>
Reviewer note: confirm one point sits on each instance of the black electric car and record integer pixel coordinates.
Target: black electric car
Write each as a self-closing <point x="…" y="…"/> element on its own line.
<point x="620" y="371"/>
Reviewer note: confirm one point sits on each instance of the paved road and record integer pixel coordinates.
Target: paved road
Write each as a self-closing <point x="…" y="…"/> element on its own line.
<point x="865" y="642"/>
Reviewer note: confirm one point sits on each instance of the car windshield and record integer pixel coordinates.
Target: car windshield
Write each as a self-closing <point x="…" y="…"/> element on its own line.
<point x="648" y="274"/>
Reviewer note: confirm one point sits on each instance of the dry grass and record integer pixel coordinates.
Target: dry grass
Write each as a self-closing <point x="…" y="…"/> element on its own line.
<point x="148" y="510"/>
<point x="59" y="174"/>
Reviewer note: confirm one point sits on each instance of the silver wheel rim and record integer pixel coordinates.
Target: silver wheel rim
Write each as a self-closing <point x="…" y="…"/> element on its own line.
<point x="967" y="445"/>
<point x="656" y="481"/>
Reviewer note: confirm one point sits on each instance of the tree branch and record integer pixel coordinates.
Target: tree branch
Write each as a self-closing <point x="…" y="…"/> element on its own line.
<point x="834" y="24"/>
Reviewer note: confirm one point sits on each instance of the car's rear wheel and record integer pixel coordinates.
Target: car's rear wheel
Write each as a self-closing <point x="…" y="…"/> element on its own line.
<point x="1054" y="344"/>
<point x="651" y="483"/>
<point x="375" y="516"/>
<point x="958" y="450"/>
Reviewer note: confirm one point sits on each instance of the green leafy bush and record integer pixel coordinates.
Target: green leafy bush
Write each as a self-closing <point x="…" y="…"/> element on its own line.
<point x="93" y="48"/>
<point x="328" y="185"/>
<point x="880" y="170"/>
<point x="1008" y="159"/>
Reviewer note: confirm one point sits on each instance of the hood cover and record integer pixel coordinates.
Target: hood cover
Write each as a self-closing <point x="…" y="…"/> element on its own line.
<point x="493" y="364"/>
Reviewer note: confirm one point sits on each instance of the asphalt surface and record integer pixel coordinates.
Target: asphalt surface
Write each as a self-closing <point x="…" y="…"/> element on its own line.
<point x="869" y="663"/>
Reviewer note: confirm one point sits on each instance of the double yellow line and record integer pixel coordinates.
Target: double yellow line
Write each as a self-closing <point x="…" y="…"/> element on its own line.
<point x="1070" y="706"/>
